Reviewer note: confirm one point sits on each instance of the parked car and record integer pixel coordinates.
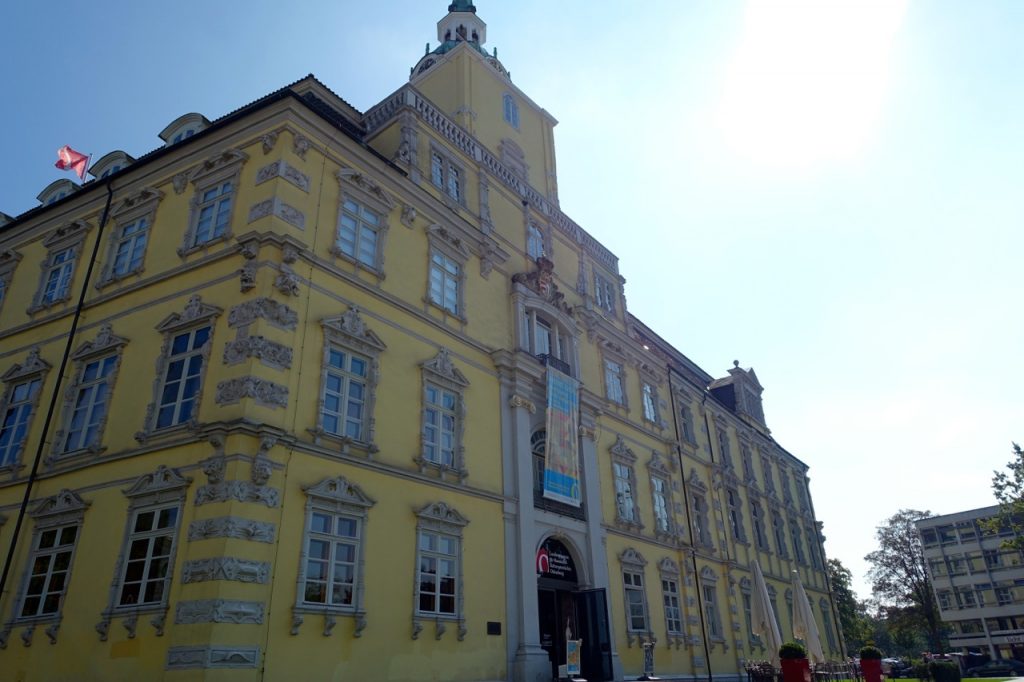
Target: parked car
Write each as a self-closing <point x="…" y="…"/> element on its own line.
<point x="1001" y="668"/>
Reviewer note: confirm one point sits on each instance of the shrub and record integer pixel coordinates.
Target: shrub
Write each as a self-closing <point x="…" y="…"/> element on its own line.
<point x="871" y="653"/>
<point x="792" y="650"/>
<point x="944" y="671"/>
<point x="920" y="671"/>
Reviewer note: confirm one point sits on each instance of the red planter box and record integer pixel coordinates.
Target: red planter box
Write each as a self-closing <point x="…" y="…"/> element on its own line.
<point x="872" y="669"/>
<point x="796" y="670"/>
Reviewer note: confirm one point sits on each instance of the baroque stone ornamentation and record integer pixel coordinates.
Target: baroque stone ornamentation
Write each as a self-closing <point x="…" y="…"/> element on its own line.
<point x="542" y="282"/>
<point x="225" y="568"/>
<point x="241" y="491"/>
<point x="201" y="657"/>
<point x="270" y="353"/>
<point x="265" y="393"/>
<point x="262" y="468"/>
<point x="232" y="527"/>
<point x="441" y="365"/>
<point x="180" y="182"/>
<point x="269" y="142"/>
<point x="408" y="215"/>
<point x="520" y="401"/>
<point x="277" y="314"/>
<point x="367" y="184"/>
<point x="219" y="611"/>
<point x="300" y="146"/>
<point x="276" y="207"/>
<point x="287" y="282"/>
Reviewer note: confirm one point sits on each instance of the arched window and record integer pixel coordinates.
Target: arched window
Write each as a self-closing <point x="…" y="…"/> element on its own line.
<point x="538" y="445"/>
<point x="511" y="111"/>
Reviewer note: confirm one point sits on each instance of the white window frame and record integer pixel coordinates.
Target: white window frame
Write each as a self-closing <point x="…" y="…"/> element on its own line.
<point x="58" y="513"/>
<point x="367" y="196"/>
<point x="709" y="597"/>
<point x="689" y="435"/>
<point x="510" y="109"/>
<point x="440" y="520"/>
<point x="137" y="209"/>
<point x="105" y="347"/>
<point x="338" y="498"/>
<point x="798" y="544"/>
<point x="634" y="592"/>
<point x="649" y="399"/>
<point x="734" y="508"/>
<point x="769" y="480"/>
<point x="671" y="595"/>
<point x="196" y="315"/>
<point x="449" y="248"/>
<point x="33" y="369"/>
<point x="760" y="530"/>
<point x="224" y="168"/>
<point x="662" y="499"/>
<point x="748" y="465"/>
<point x="779" y="533"/>
<point x="440" y="374"/>
<point x="604" y="293"/>
<point x="615" y="381"/>
<point x="627" y="507"/>
<point x="64" y="243"/>
<point x="349" y="334"/>
<point x="544" y="333"/>
<point x="447" y="176"/>
<point x="536" y="243"/>
<point x="724" y="446"/>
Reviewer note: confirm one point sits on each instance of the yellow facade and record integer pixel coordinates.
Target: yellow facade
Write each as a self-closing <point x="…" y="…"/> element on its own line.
<point x="327" y="382"/>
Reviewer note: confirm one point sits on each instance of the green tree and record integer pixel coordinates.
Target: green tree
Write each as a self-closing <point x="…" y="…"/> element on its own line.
<point x="852" y="613"/>
<point x="899" y="577"/>
<point x="1008" y="487"/>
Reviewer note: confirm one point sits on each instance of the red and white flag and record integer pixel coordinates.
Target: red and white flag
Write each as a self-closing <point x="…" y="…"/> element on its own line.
<point x="69" y="159"/>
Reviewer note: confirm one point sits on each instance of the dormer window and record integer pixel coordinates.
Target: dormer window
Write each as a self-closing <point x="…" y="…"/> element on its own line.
<point x="183" y="127"/>
<point x="110" y="164"/>
<point x="56" y="191"/>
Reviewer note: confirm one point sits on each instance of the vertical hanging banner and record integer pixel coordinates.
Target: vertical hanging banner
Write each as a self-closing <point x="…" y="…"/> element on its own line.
<point x="561" y="460"/>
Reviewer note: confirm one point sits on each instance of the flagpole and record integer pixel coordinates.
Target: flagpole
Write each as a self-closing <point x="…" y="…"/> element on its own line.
<point x="54" y="396"/>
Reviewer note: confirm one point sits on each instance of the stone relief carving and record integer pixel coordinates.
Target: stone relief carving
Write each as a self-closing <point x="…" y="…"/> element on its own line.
<point x="442" y="366"/>
<point x="265" y="393"/>
<point x="219" y="611"/>
<point x="247" y="277"/>
<point x="520" y="401"/>
<point x="622" y="451"/>
<point x="33" y="365"/>
<point x="269" y="142"/>
<point x="180" y="182"/>
<point x="185" y="657"/>
<point x="262" y="468"/>
<point x="276" y="207"/>
<point x="287" y="282"/>
<point x="268" y="172"/>
<point x="214" y="468"/>
<point x="542" y="282"/>
<point x="277" y="314"/>
<point x="272" y="354"/>
<point x="408" y="216"/>
<point x="367" y="184"/>
<point x="232" y="527"/>
<point x="240" y="491"/>
<point x="225" y="568"/>
<point x="300" y="146"/>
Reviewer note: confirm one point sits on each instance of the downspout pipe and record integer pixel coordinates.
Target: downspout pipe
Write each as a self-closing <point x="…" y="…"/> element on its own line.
<point x="55" y="394"/>
<point x="686" y="504"/>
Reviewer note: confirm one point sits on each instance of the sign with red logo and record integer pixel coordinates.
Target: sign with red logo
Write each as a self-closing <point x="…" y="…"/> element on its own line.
<point x="554" y="561"/>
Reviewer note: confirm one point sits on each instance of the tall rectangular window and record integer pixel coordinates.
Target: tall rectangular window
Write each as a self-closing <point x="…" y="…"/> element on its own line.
<point x="779" y="529"/>
<point x="724" y="451"/>
<point x="711" y="612"/>
<point x="446" y="176"/>
<point x="760" y="537"/>
<point x="49" y="571"/>
<point x="613" y="382"/>
<point x="701" y="525"/>
<point x="344" y="394"/>
<point x="444" y="282"/>
<point x="359" y="233"/>
<point x="662" y="516"/>
<point x="146" y="578"/>
<point x="624" y="503"/>
<point x="57" y="285"/>
<point x="17" y="416"/>
<point x="732" y="498"/>
<point x="90" y="406"/>
<point x="686" y="424"/>
<point x="769" y="480"/>
<point x="439" y="425"/>
<point x="673" y="614"/>
<point x="604" y="293"/>
<point x="214" y="211"/>
<point x="183" y="377"/>
<point x="437" y="573"/>
<point x="650" y="401"/>
<point x="130" y="248"/>
<point x="332" y="559"/>
<point x="636" y="604"/>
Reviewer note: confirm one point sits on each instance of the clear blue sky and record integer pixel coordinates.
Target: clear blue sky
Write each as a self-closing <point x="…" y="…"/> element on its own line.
<point x="830" y="195"/>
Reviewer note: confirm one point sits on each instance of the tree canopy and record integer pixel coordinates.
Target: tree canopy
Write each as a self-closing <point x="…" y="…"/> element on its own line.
<point x="1008" y="487"/>
<point x="899" y="577"/>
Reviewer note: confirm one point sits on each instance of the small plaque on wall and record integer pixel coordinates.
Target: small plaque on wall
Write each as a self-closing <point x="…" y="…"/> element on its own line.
<point x="493" y="628"/>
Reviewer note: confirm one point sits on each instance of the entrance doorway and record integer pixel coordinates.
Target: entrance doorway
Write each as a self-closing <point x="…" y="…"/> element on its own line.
<point x="565" y="612"/>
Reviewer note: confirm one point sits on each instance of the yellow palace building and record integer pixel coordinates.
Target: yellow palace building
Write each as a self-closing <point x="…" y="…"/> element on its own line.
<point x="315" y="393"/>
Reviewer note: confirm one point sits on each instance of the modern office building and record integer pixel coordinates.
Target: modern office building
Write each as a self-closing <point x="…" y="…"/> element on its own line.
<point x="315" y="393"/>
<point x="979" y="585"/>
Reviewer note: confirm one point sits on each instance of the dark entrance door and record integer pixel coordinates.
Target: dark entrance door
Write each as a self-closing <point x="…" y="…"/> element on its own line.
<point x="557" y="612"/>
<point x="592" y="616"/>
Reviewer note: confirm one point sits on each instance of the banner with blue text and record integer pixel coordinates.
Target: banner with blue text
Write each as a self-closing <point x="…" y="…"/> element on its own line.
<point x="561" y="463"/>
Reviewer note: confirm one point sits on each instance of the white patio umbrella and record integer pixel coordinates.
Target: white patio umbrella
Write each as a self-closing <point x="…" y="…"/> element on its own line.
<point x="804" y="626"/>
<point x="762" y="615"/>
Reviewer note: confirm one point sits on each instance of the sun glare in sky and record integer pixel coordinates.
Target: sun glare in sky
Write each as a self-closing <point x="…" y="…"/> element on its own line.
<point x="808" y="79"/>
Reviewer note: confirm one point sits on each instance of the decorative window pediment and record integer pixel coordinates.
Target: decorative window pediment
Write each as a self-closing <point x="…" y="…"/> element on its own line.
<point x="542" y="283"/>
<point x="441" y="516"/>
<point x="67" y="235"/>
<point x="631" y="557"/>
<point x="159" y="486"/>
<point x="708" y="575"/>
<point x="622" y="452"/>
<point x="441" y="367"/>
<point x="351" y="326"/>
<point x="195" y="312"/>
<point x="146" y="198"/>
<point x="350" y="178"/>
<point x="58" y="509"/>
<point x="442" y="236"/>
<point x="341" y="493"/>
<point x="658" y="464"/>
<point x="111" y="163"/>
<point x="32" y="365"/>
<point x="668" y="567"/>
<point x="696" y="481"/>
<point x="106" y="340"/>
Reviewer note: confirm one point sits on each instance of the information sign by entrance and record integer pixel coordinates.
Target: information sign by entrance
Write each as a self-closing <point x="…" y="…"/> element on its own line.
<point x="554" y="561"/>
